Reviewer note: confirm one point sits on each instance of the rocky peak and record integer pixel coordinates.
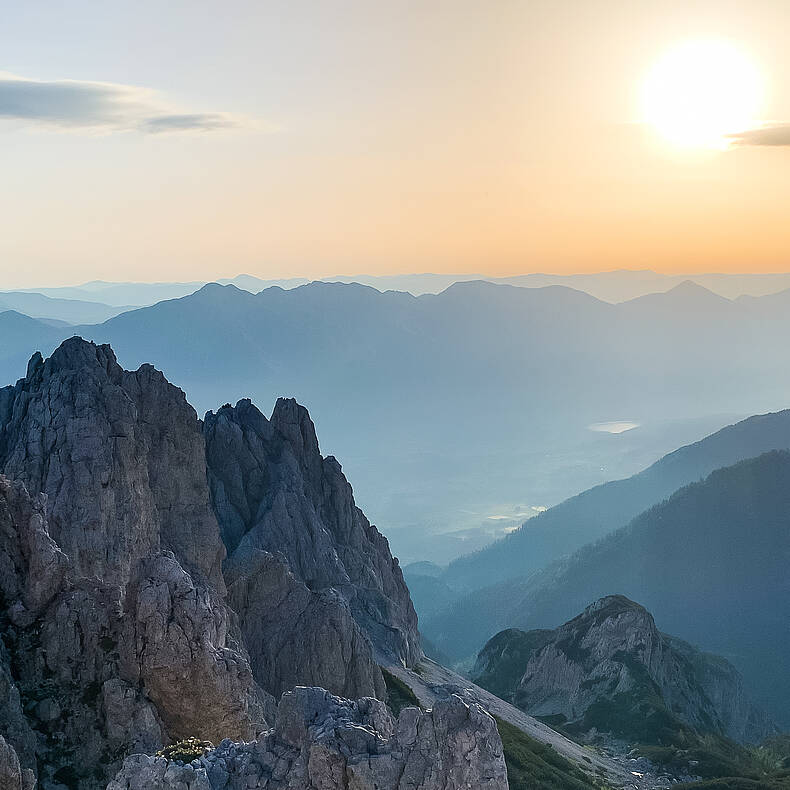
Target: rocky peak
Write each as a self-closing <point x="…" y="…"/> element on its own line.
<point x="611" y="669"/>
<point x="293" y="421"/>
<point x="274" y="492"/>
<point x="119" y="456"/>
<point x="120" y="629"/>
<point x="322" y="741"/>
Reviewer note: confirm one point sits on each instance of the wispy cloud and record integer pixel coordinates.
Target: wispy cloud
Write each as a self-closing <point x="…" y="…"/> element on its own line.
<point x="102" y="107"/>
<point x="776" y="134"/>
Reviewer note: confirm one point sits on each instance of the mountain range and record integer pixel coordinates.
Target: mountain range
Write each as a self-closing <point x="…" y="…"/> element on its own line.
<point x="525" y="371"/>
<point x="591" y="515"/>
<point x="610" y="286"/>
<point x="709" y="562"/>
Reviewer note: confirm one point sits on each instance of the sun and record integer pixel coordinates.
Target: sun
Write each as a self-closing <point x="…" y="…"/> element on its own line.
<point x="701" y="92"/>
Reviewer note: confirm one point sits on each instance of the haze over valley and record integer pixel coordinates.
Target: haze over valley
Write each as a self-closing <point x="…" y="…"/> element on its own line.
<point x="531" y="375"/>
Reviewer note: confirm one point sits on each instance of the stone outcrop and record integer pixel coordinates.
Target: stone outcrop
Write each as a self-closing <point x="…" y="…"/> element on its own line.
<point x="126" y="625"/>
<point x="120" y="457"/>
<point x="12" y="775"/>
<point x="610" y="668"/>
<point x="101" y="670"/>
<point x="179" y="644"/>
<point x="322" y="742"/>
<point x="114" y="627"/>
<point x="273" y="491"/>
<point x="297" y="636"/>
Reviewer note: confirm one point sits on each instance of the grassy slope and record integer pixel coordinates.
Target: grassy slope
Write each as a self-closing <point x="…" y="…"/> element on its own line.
<point x="399" y="695"/>
<point x="532" y="765"/>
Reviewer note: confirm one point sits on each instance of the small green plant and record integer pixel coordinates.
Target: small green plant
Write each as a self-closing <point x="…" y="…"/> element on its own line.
<point x="399" y="695"/>
<point x="185" y="751"/>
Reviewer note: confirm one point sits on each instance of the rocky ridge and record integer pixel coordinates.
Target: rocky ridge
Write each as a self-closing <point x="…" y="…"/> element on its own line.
<point x="122" y="631"/>
<point x="610" y="668"/>
<point x="322" y="742"/>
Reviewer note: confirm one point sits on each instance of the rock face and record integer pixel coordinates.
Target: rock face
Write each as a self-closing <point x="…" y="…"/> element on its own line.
<point x="273" y="491"/>
<point x="90" y="670"/>
<point x="322" y="742"/>
<point x="611" y="669"/>
<point x="297" y="636"/>
<point x="121" y="630"/>
<point x="12" y="775"/>
<point x="120" y="457"/>
<point x="114" y="627"/>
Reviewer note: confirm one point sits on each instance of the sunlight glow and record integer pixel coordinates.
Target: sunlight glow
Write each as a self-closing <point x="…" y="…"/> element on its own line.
<point x="701" y="92"/>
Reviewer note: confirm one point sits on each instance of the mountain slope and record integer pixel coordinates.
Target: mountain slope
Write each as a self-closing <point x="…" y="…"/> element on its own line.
<point x="592" y="514"/>
<point x="710" y="563"/>
<point x="609" y="668"/>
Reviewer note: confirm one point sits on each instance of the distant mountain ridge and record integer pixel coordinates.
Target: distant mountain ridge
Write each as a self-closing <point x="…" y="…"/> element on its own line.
<point x="611" y="286"/>
<point x="72" y="311"/>
<point x="524" y="371"/>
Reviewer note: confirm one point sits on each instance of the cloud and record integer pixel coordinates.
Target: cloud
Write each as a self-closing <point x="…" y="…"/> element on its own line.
<point x="101" y="107"/>
<point x="777" y="134"/>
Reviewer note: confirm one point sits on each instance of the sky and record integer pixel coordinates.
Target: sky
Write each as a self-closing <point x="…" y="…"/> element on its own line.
<point x="193" y="140"/>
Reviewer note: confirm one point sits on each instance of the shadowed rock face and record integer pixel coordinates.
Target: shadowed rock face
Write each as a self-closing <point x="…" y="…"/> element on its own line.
<point x="610" y="667"/>
<point x="322" y="742"/>
<point x="298" y="636"/>
<point x="273" y="491"/>
<point x="91" y="670"/>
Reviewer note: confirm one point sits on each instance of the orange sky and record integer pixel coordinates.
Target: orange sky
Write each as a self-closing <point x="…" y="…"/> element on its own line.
<point x="346" y="137"/>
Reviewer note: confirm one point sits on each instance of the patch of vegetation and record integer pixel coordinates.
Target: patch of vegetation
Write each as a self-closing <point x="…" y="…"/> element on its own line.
<point x="740" y="783"/>
<point x="773" y="754"/>
<point x="185" y="751"/>
<point x="640" y="717"/>
<point x="67" y="776"/>
<point x="708" y="756"/>
<point x="399" y="695"/>
<point x="502" y="661"/>
<point x="725" y="765"/>
<point x="532" y="765"/>
<point x="91" y="693"/>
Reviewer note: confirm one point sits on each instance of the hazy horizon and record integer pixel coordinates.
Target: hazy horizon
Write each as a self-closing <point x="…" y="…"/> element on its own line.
<point x="395" y="273"/>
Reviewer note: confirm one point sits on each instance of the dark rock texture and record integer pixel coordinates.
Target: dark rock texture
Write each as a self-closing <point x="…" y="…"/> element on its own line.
<point x="273" y="491"/>
<point x="322" y="742"/>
